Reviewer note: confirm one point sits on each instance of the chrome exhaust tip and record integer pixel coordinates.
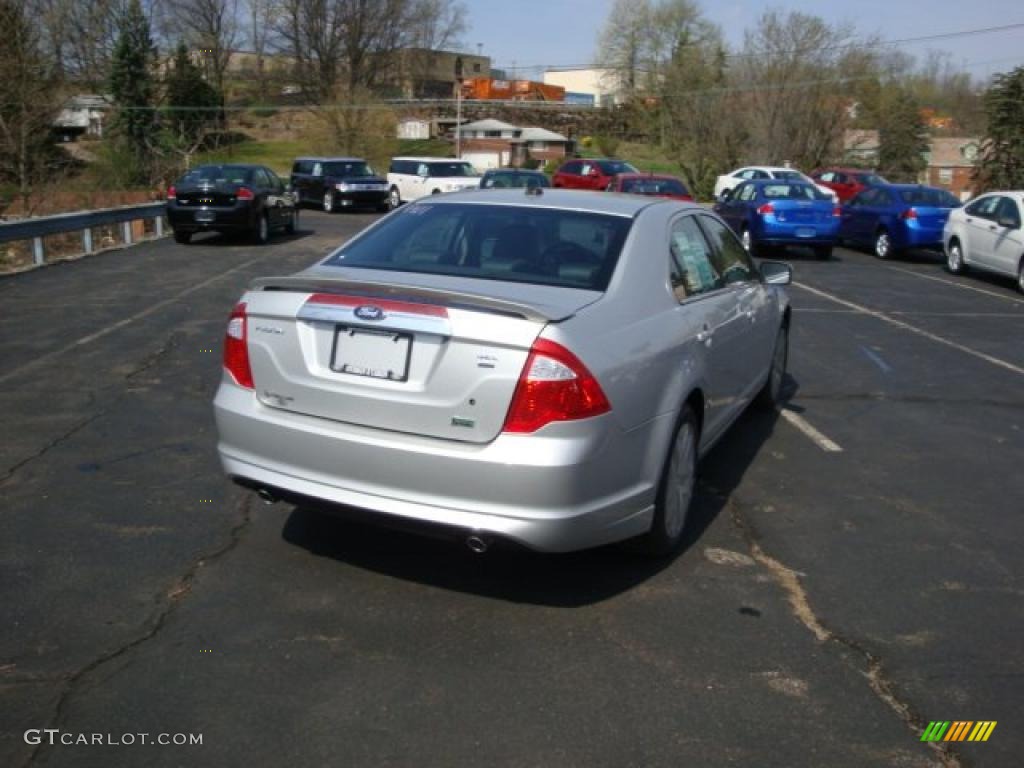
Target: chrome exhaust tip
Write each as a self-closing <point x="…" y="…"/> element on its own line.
<point x="266" y="496"/>
<point x="477" y="544"/>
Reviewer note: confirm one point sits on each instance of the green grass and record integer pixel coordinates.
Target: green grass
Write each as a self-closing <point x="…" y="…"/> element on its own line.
<point x="276" y="155"/>
<point x="648" y="157"/>
<point x="425" y="147"/>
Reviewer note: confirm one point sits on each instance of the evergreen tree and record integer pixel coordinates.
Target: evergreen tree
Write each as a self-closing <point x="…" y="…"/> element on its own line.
<point x="1001" y="165"/>
<point x="902" y="137"/>
<point x="131" y="86"/>
<point x="191" y="101"/>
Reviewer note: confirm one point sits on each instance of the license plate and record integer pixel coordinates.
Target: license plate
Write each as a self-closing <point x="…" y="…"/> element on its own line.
<point x="805" y="232"/>
<point x="205" y="217"/>
<point x="370" y="353"/>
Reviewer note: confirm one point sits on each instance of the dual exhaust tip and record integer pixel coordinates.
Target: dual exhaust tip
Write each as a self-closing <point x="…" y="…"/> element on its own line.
<point x="477" y="543"/>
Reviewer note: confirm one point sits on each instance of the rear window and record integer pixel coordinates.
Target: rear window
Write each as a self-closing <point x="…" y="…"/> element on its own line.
<point x="540" y="246"/>
<point x="935" y="198"/>
<point x="514" y="180"/>
<point x="788" y="175"/>
<point x="793" y="192"/>
<point x="654" y="186"/>
<point x="218" y="174"/>
<point x="347" y="169"/>
<point x="870" y="179"/>
<point x="613" y="167"/>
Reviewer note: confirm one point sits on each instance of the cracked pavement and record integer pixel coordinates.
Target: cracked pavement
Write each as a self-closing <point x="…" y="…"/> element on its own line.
<point x="826" y="607"/>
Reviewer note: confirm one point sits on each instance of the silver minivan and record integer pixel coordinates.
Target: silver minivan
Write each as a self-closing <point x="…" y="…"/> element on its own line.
<point x="542" y="366"/>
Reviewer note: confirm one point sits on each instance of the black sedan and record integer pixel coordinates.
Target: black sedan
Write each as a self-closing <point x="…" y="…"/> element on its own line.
<point x="338" y="182"/>
<point x="246" y="199"/>
<point x="514" y="178"/>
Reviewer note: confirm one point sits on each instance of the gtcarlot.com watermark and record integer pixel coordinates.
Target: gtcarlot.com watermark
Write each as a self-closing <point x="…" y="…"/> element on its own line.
<point x="55" y="736"/>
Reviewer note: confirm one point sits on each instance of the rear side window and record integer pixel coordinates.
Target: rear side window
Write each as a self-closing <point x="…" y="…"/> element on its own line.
<point x="302" y="166"/>
<point x="935" y="198"/>
<point x="784" y="191"/>
<point x="540" y="246"/>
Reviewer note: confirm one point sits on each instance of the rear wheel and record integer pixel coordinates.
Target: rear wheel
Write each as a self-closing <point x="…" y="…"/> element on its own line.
<point x="329" y="202"/>
<point x="262" y="232"/>
<point x="1020" y="276"/>
<point x="384" y="207"/>
<point x="394" y="198"/>
<point x="678" y="480"/>
<point x="748" y="242"/>
<point x="182" y="237"/>
<point x="823" y="252"/>
<point x="770" y="396"/>
<point x="883" y="244"/>
<point x="954" y="257"/>
<point x="293" y="223"/>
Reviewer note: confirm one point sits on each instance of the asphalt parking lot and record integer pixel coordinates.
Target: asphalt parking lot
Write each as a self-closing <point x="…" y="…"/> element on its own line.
<point x="849" y="577"/>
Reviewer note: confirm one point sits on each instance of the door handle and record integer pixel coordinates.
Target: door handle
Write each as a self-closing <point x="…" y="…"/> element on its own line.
<point x="704" y="336"/>
<point x="992" y="227"/>
<point x="970" y="221"/>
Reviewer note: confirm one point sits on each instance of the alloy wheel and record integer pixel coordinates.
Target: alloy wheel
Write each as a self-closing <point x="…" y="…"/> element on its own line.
<point x="395" y="198"/>
<point x="954" y="258"/>
<point x="328" y="202"/>
<point x="682" y="473"/>
<point x="745" y="239"/>
<point x="883" y="246"/>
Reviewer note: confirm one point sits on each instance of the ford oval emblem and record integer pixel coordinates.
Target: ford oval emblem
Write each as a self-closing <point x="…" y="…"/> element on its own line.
<point x="369" y="312"/>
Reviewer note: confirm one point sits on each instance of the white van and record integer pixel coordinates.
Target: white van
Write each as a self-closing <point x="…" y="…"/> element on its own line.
<point x="410" y="178"/>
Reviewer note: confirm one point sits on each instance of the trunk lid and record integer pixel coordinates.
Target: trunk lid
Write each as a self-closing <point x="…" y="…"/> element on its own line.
<point x="803" y="211"/>
<point x="198" y="195"/>
<point x="407" y="357"/>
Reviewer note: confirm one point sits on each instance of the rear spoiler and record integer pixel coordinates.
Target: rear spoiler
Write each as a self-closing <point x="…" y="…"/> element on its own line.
<point x="371" y="289"/>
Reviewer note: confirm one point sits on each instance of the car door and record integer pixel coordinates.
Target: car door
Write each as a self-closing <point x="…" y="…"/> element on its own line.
<point x="566" y="176"/>
<point x="734" y="210"/>
<point x="266" y="193"/>
<point x="856" y="218"/>
<point x="753" y="337"/>
<point x="703" y="319"/>
<point x="980" y="230"/>
<point x="1007" y="243"/>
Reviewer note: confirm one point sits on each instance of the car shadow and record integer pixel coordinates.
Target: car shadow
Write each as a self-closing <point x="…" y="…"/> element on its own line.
<point x="518" y="575"/>
<point x="233" y="240"/>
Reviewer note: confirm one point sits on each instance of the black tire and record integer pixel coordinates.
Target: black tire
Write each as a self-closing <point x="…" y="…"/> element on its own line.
<point x="748" y="243"/>
<point x="882" y="247"/>
<point x="329" y="202"/>
<point x="293" y="223"/>
<point x="1020" y="275"/>
<point x="436" y="192"/>
<point x="182" y="237"/>
<point x="383" y="207"/>
<point x="394" y="198"/>
<point x="823" y="252"/>
<point x="955" y="257"/>
<point x="769" y="398"/>
<point x="667" y="531"/>
<point x="261" y="232"/>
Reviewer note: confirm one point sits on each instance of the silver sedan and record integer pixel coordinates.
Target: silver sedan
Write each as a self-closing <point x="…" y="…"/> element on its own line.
<point x="539" y="366"/>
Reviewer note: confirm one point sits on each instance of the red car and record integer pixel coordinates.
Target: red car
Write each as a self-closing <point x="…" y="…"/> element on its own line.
<point x="657" y="185"/>
<point x="847" y="183"/>
<point x="589" y="173"/>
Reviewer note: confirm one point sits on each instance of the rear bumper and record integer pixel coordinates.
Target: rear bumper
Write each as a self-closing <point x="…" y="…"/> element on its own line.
<point x="183" y="219"/>
<point x="915" y="236"/>
<point x="785" y="233"/>
<point x="587" y="485"/>
<point x="361" y="197"/>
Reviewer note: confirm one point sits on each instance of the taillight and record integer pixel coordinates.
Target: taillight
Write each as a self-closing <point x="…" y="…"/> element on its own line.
<point x="837" y="210"/>
<point x="236" y="349"/>
<point x="554" y="386"/>
<point x="244" y="193"/>
<point x="766" y="209"/>
<point x="172" y="193"/>
<point x="910" y="213"/>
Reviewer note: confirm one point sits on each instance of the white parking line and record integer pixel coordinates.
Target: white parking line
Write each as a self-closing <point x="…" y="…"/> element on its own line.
<point x="876" y="359"/>
<point x="827" y="445"/>
<point x="914" y="329"/>
<point x="122" y="323"/>
<point x="966" y="287"/>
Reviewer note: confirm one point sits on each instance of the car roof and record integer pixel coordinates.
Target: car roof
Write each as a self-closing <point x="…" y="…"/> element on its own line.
<point x="331" y="159"/>
<point x="565" y="199"/>
<point x="525" y="171"/>
<point x="432" y="159"/>
<point x="842" y="169"/>
<point x="248" y="166"/>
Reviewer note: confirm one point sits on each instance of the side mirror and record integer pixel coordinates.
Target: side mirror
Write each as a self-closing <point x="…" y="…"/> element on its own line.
<point x="725" y="197"/>
<point x="776" y="273"/>
<point x="1007" y="222"/>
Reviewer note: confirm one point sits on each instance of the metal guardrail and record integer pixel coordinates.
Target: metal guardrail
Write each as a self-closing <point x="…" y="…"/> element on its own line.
<point x="36" y="228"/>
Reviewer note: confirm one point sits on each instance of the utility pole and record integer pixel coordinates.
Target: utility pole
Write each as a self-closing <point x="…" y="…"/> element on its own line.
<point x="458" y="107"/>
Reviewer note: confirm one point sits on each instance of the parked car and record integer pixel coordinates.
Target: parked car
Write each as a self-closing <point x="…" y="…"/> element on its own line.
<point x="986" y="234"/>
<point x="338" y="182"/>
<point x="890" y="218"/>
<point x="729" y="181"/>
<point x="650" y="184"/>
<point x="230" y="198"/>
<point x="591" y="173"/>
<point x="504" y="365"/>
<point x="847" y="182"/>
<point x="504" y="178"/>
<point x="771" y="213"/>
<point x="410" y="178"/>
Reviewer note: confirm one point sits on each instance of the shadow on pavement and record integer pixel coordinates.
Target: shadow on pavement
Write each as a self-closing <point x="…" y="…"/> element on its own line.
<point x="518" y="575"/>
<point x="234" y="239"/>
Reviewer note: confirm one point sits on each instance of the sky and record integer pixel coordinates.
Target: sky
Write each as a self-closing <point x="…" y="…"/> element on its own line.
<point x="532" y="34"/>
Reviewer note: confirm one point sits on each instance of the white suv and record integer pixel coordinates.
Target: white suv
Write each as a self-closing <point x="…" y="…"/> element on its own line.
<point x="410" y="178"/>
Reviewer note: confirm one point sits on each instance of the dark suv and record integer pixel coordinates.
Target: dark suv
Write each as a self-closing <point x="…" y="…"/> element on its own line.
<point x="338" y="182"/>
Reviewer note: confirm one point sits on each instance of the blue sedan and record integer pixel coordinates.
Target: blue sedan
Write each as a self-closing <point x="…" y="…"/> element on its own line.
<point x="776" y="213"/>
<point x="894" y="217"/>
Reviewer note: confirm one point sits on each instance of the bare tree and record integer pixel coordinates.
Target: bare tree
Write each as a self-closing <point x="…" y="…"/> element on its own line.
<point x="624" y="44"/>
<point x="262" y="15"/>
<point x="213" y="29"/>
